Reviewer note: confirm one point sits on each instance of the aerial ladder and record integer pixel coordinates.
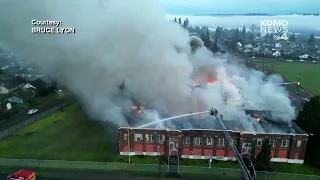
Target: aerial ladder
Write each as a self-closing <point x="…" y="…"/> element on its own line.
<point x="246" y="173"/>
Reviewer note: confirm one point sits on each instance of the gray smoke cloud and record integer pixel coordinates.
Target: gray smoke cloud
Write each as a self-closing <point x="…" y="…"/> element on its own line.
<point x="125" y="42"/>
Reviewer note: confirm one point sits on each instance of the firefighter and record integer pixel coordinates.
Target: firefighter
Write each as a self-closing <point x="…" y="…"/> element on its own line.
<point x="213" y="112"/>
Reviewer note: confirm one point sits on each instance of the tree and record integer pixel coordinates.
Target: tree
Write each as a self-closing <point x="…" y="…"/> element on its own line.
<point x="262" y="161"/>
<point x="179" y="20"/>
<point x="175" y="19"/>
<point x="309" y="120"/>
<point x="292" y="37"/>
<point x="253" y="28"/>
<point x="311" y="40"/>
<point x="217" y="35"/>
<point x="236" y="34"/>
<point x="243" y="33"/>
<point x="186" y="23"/>
<point x="206" y="38"/>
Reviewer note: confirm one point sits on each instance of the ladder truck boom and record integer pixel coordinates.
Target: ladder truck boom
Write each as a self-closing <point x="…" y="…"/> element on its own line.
<point x="243" y="167"/>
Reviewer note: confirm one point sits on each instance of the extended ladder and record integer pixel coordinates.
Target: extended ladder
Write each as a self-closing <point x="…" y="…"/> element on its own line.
<point x="242" y="165"/>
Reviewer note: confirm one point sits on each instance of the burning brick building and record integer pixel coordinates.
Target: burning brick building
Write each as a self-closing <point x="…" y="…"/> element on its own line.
<point x="288" y="142"/>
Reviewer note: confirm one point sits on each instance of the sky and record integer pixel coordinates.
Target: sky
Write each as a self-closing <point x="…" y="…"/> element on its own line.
<point x="274" y="7"/>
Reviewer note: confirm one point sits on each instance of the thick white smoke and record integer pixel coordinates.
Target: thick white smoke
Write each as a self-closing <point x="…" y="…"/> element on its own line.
<point x="132" y="42"/>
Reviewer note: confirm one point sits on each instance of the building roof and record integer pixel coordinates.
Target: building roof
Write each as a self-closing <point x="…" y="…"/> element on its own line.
<point x="262" y="123"/>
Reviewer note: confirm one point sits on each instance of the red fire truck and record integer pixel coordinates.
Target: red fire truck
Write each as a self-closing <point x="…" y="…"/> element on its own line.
<point x="22" y="174"/>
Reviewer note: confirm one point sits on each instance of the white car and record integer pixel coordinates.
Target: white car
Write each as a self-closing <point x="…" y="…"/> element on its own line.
<point x="32" y="111"/>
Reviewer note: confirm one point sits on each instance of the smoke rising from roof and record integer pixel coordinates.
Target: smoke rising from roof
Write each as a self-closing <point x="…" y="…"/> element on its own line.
<point x="132" y="43"/>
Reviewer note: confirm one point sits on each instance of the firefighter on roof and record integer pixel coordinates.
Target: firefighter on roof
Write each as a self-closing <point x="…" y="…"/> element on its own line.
<point x="213" y="112"/>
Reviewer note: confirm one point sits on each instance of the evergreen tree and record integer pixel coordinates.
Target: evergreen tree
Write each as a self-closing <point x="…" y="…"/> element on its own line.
<point x="175" y="19"/>
<point x="217" y="35"/>
<point x="309" y="120"/>
<point x="186" y="23"/>
<point x="262" y="161"/>
<point x="292" y="37"/>
<point x="236" y="34"/>
<point x="206" y="38"/>
<point x="311" y="40"/>
<point x="243" y="33"/>
<point x="179" y="20"/>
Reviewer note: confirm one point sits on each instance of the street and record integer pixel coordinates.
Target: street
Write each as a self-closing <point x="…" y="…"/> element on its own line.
<point x="52" y="174"/>
<point x="22" y="116"/>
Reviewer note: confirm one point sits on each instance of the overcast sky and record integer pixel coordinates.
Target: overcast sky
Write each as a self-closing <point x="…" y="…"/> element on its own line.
<point x="240" y="6"/>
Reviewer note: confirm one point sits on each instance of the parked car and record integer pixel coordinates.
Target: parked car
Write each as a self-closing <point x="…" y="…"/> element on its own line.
<point x="32" y="111"/>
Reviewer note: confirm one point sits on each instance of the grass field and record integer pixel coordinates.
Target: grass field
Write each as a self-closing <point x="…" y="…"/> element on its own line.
<point x="70" y="135"/>
<point x="309" y="72"/>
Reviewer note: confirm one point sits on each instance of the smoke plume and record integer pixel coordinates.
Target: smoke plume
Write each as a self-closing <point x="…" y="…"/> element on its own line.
<point x="132" y="43"/>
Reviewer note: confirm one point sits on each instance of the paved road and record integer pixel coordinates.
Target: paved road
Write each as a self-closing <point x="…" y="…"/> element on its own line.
<point x="50" y="174"/>
<point x="5" y="124"/>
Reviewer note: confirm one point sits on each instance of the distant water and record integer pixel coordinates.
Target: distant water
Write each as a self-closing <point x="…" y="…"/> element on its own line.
<point x="295" y="21"/>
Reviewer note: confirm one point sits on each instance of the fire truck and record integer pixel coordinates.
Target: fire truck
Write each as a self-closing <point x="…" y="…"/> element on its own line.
<point x="22" y="174"/>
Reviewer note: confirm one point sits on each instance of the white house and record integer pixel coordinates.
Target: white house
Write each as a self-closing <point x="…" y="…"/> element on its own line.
<point x="305" y="56"/>
<point x="28" y="86"/>
<point x="248" y="46"/>
<point x="247" y="51"/>
<point x="4" y="90"/>
<point x="278" y="45"/>
<point x="276" y="54"/>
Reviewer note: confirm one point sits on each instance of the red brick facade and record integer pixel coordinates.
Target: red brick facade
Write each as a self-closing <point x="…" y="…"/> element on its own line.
<point x="199" y="144"/>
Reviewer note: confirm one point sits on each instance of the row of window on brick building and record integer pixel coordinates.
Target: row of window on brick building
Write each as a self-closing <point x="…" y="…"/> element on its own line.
<point x="209" y="141"/>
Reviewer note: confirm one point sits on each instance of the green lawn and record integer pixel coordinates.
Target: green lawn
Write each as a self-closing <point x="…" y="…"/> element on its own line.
<point x="71" y="135"/>
<point x="67" y="135"/>
<point x="308" y="72"/>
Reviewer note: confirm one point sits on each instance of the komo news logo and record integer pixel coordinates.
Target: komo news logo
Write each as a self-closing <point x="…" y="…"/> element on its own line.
<point x="279" y="28"/>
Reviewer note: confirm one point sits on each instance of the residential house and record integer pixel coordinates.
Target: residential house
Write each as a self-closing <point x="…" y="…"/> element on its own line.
<point x="15" y="99"/>
<point x="28" y="86"/>
<point x="277" y="45"/>
<point x="305" y="56"/>
<point x="13" y="84"/>
<point x="248" y="46"/>
<point x="26" y="96"/>
<point x="239" y="44"/>
<point x="40" y="84"/>
<point x="276" y="54"/>
<point x="4" y="90"/>
<point x="4" y="67"/>
<point x="4" y="107"/>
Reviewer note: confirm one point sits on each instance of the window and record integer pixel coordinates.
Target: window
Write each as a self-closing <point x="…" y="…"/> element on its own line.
<point x="137" y="137"/>
<point x="272" y="142"/>
<point x="284" y="143"/>
<point x="259" y="142"/>
<point x="208" y="141"/>
<point x="125" y="137"/>
<point x="186" y="140"/>
<point x="149" y="137"/>
<point x="197" y="141"/>
<point x="161" y="138"/>
<point x="220" y="142"/>
<point x="298" y="143"/>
